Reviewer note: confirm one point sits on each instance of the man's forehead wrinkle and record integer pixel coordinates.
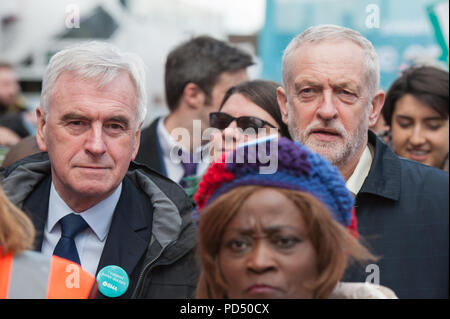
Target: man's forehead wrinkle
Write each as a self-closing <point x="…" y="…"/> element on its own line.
<point x="342" y="82"/>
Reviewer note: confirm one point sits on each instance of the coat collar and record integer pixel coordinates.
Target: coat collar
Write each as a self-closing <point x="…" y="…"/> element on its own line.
<point x="385" y="174"/>
<point x="130" y="227"/>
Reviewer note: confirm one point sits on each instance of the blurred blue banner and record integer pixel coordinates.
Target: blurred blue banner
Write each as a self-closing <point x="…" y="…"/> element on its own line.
<point x="403" y="31"/>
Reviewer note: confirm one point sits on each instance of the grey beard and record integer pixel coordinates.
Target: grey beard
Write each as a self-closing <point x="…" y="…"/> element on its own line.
<point x="337" y="153"/>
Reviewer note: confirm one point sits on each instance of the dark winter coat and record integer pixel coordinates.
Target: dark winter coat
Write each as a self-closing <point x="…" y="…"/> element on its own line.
<point x="403" y="212"/>
<point x="152" y="236"/>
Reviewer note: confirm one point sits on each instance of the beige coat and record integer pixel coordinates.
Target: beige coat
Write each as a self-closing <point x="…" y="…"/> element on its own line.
<point x="362" y="290"/>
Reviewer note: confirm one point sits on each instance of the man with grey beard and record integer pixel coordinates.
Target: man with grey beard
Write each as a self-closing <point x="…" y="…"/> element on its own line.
<point x="329" y="99"/>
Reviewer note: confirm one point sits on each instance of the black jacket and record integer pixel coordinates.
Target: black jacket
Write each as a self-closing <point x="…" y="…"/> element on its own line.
<point x="150" y="153"/>
<point x="402" y="213"/>
<point x="152" y="236"/>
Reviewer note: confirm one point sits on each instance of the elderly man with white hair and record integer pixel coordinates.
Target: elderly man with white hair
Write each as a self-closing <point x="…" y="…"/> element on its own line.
<point x="329" y="99"/>
<point x="88" y="201"/>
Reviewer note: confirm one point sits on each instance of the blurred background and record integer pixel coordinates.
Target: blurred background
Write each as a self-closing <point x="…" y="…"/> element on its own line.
<point x="402" y="31"/>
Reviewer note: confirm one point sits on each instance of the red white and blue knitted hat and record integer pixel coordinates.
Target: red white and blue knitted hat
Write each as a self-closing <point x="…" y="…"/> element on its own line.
<point x="297" y="168"/>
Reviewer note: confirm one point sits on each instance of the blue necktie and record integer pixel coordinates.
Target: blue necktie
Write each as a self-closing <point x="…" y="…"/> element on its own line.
<point x="71" y="225"/>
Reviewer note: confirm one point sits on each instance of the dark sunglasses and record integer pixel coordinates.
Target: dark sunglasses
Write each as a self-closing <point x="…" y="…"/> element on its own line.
<point x="221" y="121"/>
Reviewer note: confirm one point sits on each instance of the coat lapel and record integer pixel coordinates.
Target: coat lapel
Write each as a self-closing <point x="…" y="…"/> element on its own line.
<point x="129" y="234"/>
<point x="384" y="175"/>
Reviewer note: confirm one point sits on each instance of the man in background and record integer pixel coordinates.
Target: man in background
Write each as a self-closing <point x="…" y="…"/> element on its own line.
<point x="197" y="75"/>
<point x="15" y="120"/>
<point x="329" y="99"/>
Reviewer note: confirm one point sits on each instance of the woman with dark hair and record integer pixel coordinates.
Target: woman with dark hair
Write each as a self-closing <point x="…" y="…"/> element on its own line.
<point x="417" y="111"/>
<point x="248" y="111"/>
<point x="288" y="234"/>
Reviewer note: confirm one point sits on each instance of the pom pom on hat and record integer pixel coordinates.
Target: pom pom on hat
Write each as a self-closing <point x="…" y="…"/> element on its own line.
<point x="279" y="163"/>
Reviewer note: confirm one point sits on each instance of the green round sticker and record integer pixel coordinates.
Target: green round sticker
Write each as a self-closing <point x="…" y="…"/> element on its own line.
<point x="112" y="281"/>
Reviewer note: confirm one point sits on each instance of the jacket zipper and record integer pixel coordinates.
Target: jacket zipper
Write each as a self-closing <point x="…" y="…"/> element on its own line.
<point x="140" y="282"/>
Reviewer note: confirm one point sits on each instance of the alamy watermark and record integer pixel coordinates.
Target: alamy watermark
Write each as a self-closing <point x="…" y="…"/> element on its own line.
<point x="373" y="16"/>
<point x="374" y="274"/>
<point x="250" y="146"/>
<point x="72" y="20"/>
<point x="73" y="278"/>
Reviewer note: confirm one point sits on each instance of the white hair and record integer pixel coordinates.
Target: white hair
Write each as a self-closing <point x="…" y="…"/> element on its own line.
<point x="98" y="60"/>
<point x="329" y="32"/>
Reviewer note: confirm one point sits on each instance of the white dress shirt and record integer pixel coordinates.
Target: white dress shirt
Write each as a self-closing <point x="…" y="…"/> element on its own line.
<point x="169" y="145"/>
<point x="89" y="242"/>
<point x="356" y="180"/>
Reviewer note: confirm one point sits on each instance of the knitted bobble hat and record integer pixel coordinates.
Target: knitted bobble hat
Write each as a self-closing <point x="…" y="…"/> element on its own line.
<point x="279" y="163"/>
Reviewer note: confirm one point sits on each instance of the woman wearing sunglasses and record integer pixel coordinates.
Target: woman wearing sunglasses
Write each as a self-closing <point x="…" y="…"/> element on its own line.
<point x="248" y="111"/>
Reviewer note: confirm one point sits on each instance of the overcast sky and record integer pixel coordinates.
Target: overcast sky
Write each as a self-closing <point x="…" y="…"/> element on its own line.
<point x="241" y="16"/>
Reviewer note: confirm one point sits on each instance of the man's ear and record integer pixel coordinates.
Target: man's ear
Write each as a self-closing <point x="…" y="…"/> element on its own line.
<point x="283" y="104"/>
<point x="193" y="95"/>
<point x="137" y="142"/>
<point x="376" y="107"/>
<point x="40" y="130"/>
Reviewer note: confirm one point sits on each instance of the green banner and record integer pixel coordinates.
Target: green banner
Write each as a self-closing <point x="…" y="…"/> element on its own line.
<point x="438" y="14"/>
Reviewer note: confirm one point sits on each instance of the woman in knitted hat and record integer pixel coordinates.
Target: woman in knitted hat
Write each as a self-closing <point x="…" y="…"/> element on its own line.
<point x="277" y="235"/>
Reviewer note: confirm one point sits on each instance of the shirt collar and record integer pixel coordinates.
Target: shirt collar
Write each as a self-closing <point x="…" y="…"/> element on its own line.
<point x="166" y="141"/>
<point x="98" y="217"/>
<point x="356" y="180"/>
